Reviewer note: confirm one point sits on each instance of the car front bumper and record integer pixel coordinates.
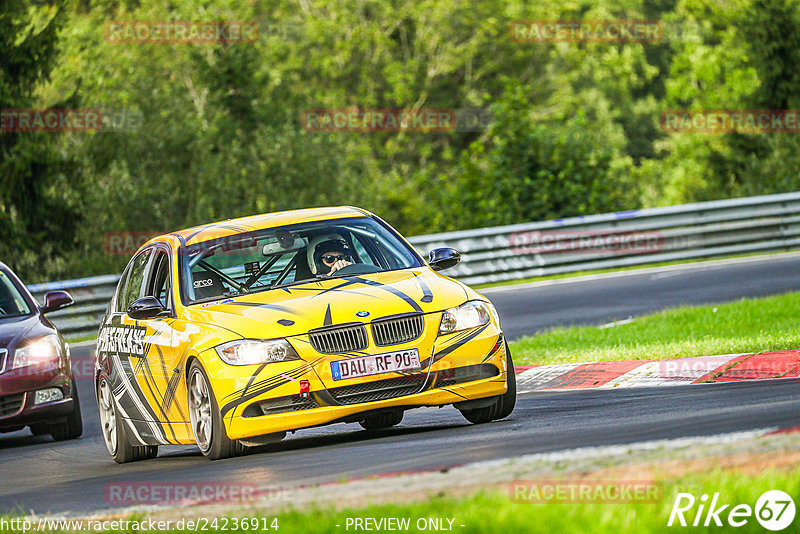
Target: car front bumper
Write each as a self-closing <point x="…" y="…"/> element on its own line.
<point x="464" y="366"/>
<point x="18" y="394"/>
<point x="239" y="427"/>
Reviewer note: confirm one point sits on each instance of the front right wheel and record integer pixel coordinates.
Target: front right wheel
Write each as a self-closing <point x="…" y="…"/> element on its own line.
<point x="384" y="420"/>
<point x="206" y="418"/>
<point x="114" y="433"/>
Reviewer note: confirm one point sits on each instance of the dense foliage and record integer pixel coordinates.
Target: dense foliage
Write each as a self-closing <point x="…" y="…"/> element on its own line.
<point x="202" y="132"/>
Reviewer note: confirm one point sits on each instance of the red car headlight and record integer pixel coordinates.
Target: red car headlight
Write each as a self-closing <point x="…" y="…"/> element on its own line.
<point x="43" y="350"/>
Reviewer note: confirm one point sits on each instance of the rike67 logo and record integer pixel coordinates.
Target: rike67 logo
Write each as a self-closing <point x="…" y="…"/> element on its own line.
<point x="774" y="510"/>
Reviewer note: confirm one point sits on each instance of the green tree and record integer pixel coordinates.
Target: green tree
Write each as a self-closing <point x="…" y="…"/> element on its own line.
<point x="38" y="208"/>
<point x="736" y="55"/>
<point x="527" y="169"/>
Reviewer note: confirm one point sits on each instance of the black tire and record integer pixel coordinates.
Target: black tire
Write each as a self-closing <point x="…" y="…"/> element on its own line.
<point x="503" y="405"/>
<point x="478" y="416"/>
<point x="383" y="420"/>
<point x="123" y="452"/>
<point x="72" y="428"/>
<point x="509" y="399"/>
<point x="220" y="446"/>
<point x="40" y="429"/>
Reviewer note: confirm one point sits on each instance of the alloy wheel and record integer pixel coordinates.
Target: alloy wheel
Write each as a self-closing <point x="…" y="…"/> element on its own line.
<point x="108" y="417"/>
<point x="200" y="410"/>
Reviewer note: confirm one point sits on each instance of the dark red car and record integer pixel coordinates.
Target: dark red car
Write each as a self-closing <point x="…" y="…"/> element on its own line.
<point x="37" y="388"/>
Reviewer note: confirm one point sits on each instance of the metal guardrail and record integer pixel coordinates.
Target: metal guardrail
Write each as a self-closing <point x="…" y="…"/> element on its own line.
<point x="91" y="295"/>
<point x="503" y="253"/>
<point x="688" y="231"/>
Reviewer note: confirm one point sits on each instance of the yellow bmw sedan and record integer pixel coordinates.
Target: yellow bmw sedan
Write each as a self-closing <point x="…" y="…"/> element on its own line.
<point x="229" y="335"/>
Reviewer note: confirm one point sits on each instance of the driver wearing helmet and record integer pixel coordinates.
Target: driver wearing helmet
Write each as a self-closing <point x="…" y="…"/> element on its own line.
<point x="327" y="254"/>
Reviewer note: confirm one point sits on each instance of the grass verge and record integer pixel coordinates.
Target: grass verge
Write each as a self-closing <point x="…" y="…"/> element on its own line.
<point x="749" y="325"/>
<point x="489" y="512"/>
<point x="495" y="511"/>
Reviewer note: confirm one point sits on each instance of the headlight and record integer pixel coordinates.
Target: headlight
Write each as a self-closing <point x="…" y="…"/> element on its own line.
<point x="42" y="350"/>
<point x="255" y="351"/>
<point x="468" y="315"/>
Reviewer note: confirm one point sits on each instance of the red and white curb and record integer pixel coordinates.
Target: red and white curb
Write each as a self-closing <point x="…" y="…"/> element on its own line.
<point x="648" y="373"/>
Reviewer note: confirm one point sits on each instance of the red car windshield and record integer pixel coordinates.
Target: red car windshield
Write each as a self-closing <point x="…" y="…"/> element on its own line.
<point x="12" y="303"/>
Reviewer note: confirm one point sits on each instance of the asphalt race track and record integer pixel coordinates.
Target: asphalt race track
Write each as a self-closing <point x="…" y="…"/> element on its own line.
<point x="597" y="301"/>
<point x="71" y="477"/>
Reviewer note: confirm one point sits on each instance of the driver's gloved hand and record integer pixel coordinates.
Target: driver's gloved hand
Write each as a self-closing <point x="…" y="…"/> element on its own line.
<point x="339" y="265"/>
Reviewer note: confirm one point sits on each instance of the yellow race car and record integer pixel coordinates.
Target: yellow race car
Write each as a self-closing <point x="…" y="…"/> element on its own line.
<point x="229" y="335"/>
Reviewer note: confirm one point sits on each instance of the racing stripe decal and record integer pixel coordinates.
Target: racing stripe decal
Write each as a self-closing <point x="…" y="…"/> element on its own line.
<point x="307" y="366"/>
<point x="427" y="295"/>
<point x="411" y="302"/>
<point x="128" y="350"/>
<point x="132" y="400"/>
<point x="455" y="393"/>
<point x="500" y="343"/>
<point x="130" y="424"/>
<point x="353" y="280"/>
<point x="252" y="378"/>
<point x="297" y="373"/>
<point x="447" y="350"/>
<point x="144" y="365"/>
<point x="169" y="395"/>
<point x="348" y="281"/>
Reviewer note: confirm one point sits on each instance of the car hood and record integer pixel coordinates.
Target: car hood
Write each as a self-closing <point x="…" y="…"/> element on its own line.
<point x="297" y="309"/>
<point x="13" y="329"/>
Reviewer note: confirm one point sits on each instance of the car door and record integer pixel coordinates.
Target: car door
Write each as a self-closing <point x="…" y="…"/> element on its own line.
<point x="121" y="351"/>
<point x="142" y="350"/>
<point x="160" y="373"/>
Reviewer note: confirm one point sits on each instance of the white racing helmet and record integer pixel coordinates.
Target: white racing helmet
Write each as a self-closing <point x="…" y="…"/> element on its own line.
<point x="314" y="252"/>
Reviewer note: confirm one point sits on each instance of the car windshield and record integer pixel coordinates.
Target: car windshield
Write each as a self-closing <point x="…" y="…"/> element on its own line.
<point x="278" y="257"/>
<point x="12" y="303"/>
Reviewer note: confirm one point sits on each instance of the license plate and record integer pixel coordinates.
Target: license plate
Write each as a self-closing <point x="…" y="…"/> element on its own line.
<point x="375" y="364"/>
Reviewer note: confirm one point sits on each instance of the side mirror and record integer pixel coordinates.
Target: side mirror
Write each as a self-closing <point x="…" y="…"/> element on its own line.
<point x="56" y="300"/>
<point x="443" y="258"/>
<point x="146" y="308"/>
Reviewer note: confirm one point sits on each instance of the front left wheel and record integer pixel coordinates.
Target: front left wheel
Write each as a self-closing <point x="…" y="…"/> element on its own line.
<point x="206" y="418"/>
<point x="503" y="405"/>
